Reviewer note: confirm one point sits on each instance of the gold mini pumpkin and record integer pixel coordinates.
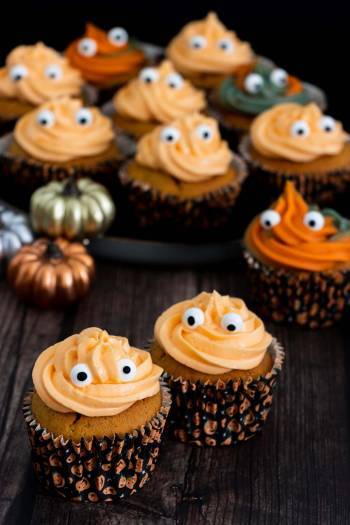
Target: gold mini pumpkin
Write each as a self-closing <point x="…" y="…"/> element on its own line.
<point x="72" y="209"/>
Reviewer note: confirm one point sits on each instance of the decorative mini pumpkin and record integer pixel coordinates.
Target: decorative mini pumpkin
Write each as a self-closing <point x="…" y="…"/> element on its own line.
<point x="72" y="209"/>
<point x="51" y="273"/>
<point x="15" y="231"/>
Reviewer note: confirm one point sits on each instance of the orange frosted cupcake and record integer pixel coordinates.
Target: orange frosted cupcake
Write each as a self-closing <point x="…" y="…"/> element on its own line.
<point x="205" y="52"/>
<point x="96" y="417"/>
<point x="221" y="365"/>
<point x="299" y="261"/>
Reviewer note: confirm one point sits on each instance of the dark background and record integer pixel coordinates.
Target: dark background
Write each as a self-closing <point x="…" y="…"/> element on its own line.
<point x="308" y="38"/>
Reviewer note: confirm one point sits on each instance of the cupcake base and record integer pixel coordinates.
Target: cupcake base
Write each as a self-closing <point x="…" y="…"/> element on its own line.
<point x="95" y="469"/>
<point x="309" y="299"/>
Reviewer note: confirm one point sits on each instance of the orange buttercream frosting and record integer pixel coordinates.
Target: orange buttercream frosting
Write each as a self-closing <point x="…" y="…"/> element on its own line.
<point x="206" y="46"/>
<point x="63" y="130"/>
<point x="38" y="73"/>
<point x="190" y="149"/>
<point x="158" y="94"/>
<point x="94" y="374"/>
<point x="103" y="56"/>
<point x="297" y="133"/>
<point x="212" y="333"/>
<point x="293" y="235"/>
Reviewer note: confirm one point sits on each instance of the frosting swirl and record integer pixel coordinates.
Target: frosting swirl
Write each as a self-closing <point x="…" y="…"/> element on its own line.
<point x="297" y="236"/>
<point x="38" y="73"/>
<point x="206" y="46"/>
<point x="62" y="130"/>
<point x="94" y="374"/>
<point x="209" y="347"/>
<point x="158" y="94"/>
<point x="103" y="57"/>
<point x="297" y="133"/>
<point x="189" y="148"/>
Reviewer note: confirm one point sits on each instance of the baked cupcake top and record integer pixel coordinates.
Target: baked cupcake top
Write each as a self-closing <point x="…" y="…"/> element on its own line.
<point x="62" y="130"/>
<point x="257" y="87"/>
<point x="213" y="333"/>
<point x="190" y="149"/>
<point x="103" y="56"/>
<point x="297" y="133"/>
<point x="295" y="235"/>
<point x="207" y="46"/>
<point x="38" y="73"/>
<point x="159" y="94"/>
<point x="94" y="374"/>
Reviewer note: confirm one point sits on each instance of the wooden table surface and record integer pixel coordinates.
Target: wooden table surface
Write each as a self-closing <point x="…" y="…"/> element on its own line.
<point x="296" y="472"/>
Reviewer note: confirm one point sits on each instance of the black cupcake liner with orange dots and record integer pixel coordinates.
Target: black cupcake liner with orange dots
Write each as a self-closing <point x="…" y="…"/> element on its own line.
<point x="98" y="469"/>
<point x="310" y="299"/>
<point x="224" y="413"/>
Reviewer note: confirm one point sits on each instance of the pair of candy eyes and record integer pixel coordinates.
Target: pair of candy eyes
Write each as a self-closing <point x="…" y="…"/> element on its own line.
<point x="149" y="75"/>
<point x="194" y="317"/>
<point x="172" y="135"/>
<point x="200" y="42"/>
<point x="81" y="374"/>
<point x="117" y="36"/>
<point x="19" y="71"/>
<point x="312" y="219"/>
<point x="47" y="119"/>
<point x="301" y="128"/>
<point x="253" y="83"/>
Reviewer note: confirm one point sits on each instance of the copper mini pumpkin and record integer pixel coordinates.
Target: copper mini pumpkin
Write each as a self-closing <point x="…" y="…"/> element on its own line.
<point x="51" y="273"/>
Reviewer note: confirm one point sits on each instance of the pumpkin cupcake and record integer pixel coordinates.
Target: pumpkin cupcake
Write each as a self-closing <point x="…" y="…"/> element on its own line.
<point x="96" y="417"/>
<point x="299" y="261"/>
<point x="298" y="143"/>
<point x="33" y="75"/>
<point x="157" y="96"/>
<point x="205" y="52"/>
<point x="221" y="365"/>
<point x="183" y="176"/>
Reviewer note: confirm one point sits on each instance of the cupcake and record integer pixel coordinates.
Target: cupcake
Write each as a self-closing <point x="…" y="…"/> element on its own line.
<point x="221" y="365"/>
<point x="205" y="52"/>
<point x="256" y="87"/>
<point x="59" y="139"/>
<point x="299" y="261"/>
<point x="298" y="143"/>
<point x="95" y="418"/>
<point x="157" y="96"/>
<point x="183" y="176"/>
<point x="32" y="75"/>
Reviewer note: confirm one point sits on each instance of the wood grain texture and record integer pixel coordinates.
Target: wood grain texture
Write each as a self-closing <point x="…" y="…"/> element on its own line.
<point x="296" y="472"/>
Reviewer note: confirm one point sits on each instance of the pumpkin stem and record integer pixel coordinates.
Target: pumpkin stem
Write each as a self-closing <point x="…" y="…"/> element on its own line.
<point x="53" y="251"/>
<point x="70" y="188"/>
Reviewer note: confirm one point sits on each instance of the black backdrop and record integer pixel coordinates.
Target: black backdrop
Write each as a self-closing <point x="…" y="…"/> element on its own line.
<point x="309" y="38"/>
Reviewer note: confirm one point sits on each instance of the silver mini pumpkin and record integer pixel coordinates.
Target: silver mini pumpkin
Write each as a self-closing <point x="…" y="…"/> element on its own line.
<point x="15" y="232"/>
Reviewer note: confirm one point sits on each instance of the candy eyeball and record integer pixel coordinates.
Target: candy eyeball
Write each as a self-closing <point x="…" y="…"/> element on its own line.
<point x="170" y="135"/>
<point x="232" y="322"/>
<point x="300" y="128"/>
<point x="87" y="47"/>
<point x="193" y="317"/>
<point x="204" y="132"/>
<point x="118" y="36"/>
<point x="126" y="369"/>
<point x="253" y="83"/>
<point x="327" y="124"/>
<point x="18" y="72"/>
<point x="53" y="71"/>
<point x="83" y="117"/>
<point x="149" y="75"/>
<point x="314" y="220"/>
<point x="175" y="81"/>
<point x="225" y="44"/>
<point x="81" y="375"/>
<point x="269" y="219"/>
<point x="198" y="42"/>
<point x="279" y="78"/>
<point x="46" y="118"/>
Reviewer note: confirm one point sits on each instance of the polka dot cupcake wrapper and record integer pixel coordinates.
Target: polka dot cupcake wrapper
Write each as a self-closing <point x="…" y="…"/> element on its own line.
<point x="224" y="413"/>
<point x="98" y="469"/>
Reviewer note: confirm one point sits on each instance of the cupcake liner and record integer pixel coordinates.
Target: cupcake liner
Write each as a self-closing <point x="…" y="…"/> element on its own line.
<point x="309" y="299"/>
<point x="98" y="469"/>
<point x="224" y="413"/>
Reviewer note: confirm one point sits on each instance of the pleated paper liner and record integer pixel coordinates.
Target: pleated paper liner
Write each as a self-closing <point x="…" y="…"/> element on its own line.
<point x="309" y="299"/>
<point x="224" y="413"/>
<point x="98" y="469"/>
